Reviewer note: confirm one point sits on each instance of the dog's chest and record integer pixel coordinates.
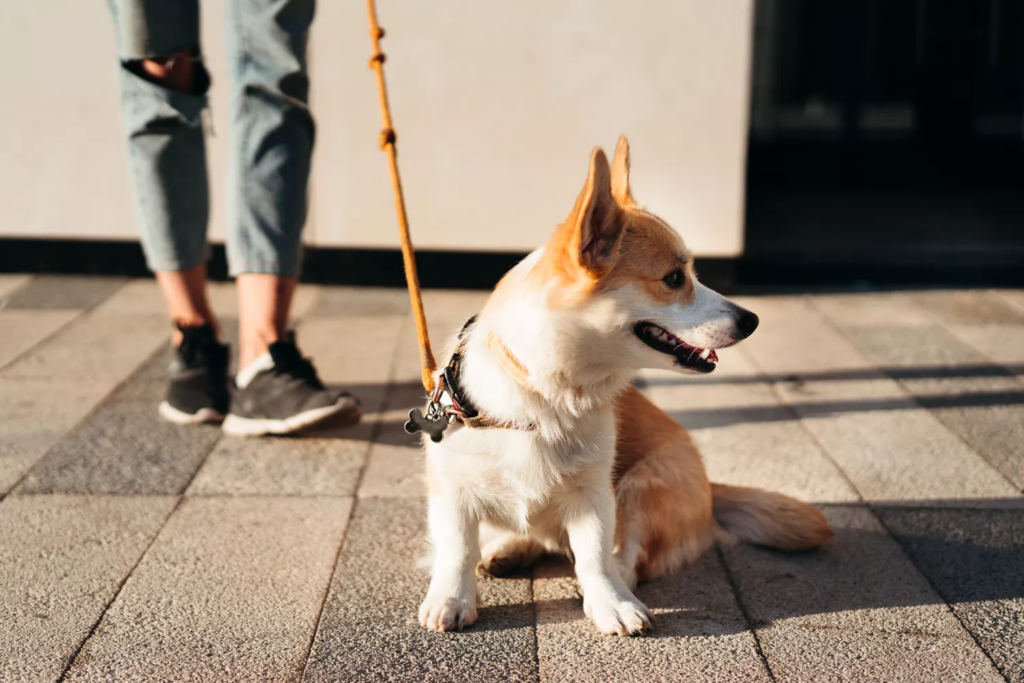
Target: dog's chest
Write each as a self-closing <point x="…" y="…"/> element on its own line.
<point x="515" y="475"/>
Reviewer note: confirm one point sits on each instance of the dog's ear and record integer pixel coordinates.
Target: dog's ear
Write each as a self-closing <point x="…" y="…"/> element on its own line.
<point x="597" y="220"/>
<point x="620" y="173"/>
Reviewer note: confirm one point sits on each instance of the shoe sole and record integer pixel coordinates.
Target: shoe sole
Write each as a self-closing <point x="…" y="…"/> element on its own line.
<point x="346" y="409"/>
<point x="202" y="416"/>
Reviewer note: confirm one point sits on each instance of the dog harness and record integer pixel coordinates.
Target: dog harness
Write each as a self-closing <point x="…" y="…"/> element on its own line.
<point x="449" y="403"/>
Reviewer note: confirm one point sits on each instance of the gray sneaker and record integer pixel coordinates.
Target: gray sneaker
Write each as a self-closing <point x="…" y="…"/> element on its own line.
<point x="287" y="397"/>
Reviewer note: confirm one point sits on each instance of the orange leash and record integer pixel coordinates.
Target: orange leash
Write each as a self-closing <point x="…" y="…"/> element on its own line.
<point x="387" y="144"/>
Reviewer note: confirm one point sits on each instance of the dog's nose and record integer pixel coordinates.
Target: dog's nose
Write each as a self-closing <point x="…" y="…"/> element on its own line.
<point x="746" y="324"/>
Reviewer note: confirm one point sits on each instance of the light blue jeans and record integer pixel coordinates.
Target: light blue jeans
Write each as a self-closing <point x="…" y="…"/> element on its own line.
<point x="271" y="137"/>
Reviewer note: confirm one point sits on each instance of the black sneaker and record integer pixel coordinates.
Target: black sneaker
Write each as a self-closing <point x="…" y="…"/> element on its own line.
<point x="286" y="396"/>
<point x="198" y="389"/>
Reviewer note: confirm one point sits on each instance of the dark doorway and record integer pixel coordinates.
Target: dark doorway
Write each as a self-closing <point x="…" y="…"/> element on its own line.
<point x="887" y="133"/>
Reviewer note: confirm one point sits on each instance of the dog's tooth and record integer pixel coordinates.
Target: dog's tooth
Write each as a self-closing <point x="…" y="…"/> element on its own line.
<point x="704" y="354"/>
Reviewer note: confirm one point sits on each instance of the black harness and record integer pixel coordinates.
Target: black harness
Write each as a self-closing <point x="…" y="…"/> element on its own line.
<point x="440" y="413"/>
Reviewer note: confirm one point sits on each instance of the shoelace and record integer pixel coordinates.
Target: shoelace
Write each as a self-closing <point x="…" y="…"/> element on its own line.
<point x="199" y="347"/>
<point x="288" y="361"/>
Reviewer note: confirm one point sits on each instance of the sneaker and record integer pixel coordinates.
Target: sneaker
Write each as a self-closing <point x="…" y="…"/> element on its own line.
<point x="280" y="393"/>
<point x="198" y="388"/>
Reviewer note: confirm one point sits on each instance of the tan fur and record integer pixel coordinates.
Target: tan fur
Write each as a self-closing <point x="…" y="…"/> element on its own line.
<point x="662" y="493"/>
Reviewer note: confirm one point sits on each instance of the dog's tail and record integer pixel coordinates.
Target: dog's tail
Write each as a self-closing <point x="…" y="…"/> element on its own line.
<point x="767" y="518"/>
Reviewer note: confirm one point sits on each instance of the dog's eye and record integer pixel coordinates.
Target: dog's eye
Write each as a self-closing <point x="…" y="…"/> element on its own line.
<point x="674" y="279"/>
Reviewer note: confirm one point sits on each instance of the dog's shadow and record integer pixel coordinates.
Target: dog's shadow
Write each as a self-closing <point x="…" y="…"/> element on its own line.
<point x="928" y="557"/>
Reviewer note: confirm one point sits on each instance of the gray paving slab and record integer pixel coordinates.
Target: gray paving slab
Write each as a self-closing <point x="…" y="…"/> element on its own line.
<point x="369" y="629"/>
<point x="95" y="344"/>
<point x="395" y="463"/>
<point x="1004" y="344"/>
<point x="230" y="591"/>
<point x="124" y="446"/>
<point x="355" y="352"/>
<point x="37" y="412"/>
<point x="854" y="610"/>
<point x="1015" y="297"/>
<point x="62" y="559"/>
<point x="700" y="633"/>
<point x="63" y="291"/>
<point x="361" y="301"/>
<point x="747" y="435"/>
<point x="9" y="283"/>
<point x="281" y="467"/>
<point x="21" y="330"/>
<point x="975" y="560"/>
<point x="968" y="307"/>
<point x="889" y="446"/>
<point x="977" y="400"/>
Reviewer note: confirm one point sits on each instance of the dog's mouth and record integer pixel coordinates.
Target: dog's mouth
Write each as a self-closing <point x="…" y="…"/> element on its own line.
<point x="660" y="339"/>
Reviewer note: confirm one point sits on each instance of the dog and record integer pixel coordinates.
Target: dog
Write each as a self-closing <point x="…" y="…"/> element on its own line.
<point x="554" y="451"/>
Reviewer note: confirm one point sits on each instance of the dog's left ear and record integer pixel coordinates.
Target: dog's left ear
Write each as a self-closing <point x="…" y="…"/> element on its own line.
<point x="597" y="220"/>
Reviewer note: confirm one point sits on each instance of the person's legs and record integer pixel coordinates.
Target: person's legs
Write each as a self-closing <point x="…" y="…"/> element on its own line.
<point x="271" y="148"/>
<point x="264" y="302"/>
<point x="277" y="391"/>
<point x="163" y="94"/>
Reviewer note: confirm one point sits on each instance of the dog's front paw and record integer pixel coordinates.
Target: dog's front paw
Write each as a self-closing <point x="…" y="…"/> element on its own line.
<point x="440" y="613"/>
<point x="617" y="615"/>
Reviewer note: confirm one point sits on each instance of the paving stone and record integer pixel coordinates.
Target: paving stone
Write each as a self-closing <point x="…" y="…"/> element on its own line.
<point x="986" y="410"/>
<point x="883" y="308"/>
<point x="37" y="412"/>
<point x="969" y="307"/>
<point x="700" y="633"/>
<point x="63" y="291"/>
<point x="230" y="591"/>
<point x="125" y="447"/>
<point x="369" y="629"/>
<point x="888" y="446"/>
<point x="854" y="610"/>
<point x="747" y="436"/>
<point x="1002" y="343"/>
<point x="62" y="559"/>
<point x="1014" y="297"/>
<point x="395" y="464"/>
<point x="136" y="297"/>
<point x="281" y="467"/>
<point x="361" y="302"/>
<point x="354" y="352"/>
<point x="21" y="330"/>
<point x="9" y="283"/>
<point x="974" y="560"/>
<point x="95" y="344"/>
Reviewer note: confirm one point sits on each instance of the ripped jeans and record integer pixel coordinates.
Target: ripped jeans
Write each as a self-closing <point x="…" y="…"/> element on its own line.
<point x="270" y="141"/>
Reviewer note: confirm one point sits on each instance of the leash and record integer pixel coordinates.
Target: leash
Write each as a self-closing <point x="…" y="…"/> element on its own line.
<point x="387" y="144"/>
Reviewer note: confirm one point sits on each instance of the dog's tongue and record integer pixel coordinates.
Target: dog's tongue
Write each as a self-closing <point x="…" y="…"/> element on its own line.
<point x="713" y="357"/>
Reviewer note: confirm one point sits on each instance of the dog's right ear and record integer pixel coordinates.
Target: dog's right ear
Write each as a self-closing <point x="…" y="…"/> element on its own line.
<point x="620" y="174"/>
<point x="596" y="220"/>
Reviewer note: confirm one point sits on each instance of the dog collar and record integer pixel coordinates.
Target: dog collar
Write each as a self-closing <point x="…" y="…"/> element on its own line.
<point x="449" y="402"/>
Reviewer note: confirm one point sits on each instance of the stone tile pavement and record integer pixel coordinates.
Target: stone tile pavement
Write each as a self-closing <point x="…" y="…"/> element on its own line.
<point x="131" y="550"/>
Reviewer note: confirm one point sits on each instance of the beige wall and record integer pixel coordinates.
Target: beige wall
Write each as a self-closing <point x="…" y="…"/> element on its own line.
<point x="497" y="106"/>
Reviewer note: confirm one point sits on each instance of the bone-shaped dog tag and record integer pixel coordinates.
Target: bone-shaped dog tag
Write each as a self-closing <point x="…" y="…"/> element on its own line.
<point x="418" y="422"/>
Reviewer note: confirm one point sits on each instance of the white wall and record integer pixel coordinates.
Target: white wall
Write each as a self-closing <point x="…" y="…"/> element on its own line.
<point x="497" y="106"/>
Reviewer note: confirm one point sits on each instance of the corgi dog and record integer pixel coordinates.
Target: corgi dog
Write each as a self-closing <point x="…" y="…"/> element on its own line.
<point x="570" y="457"/>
